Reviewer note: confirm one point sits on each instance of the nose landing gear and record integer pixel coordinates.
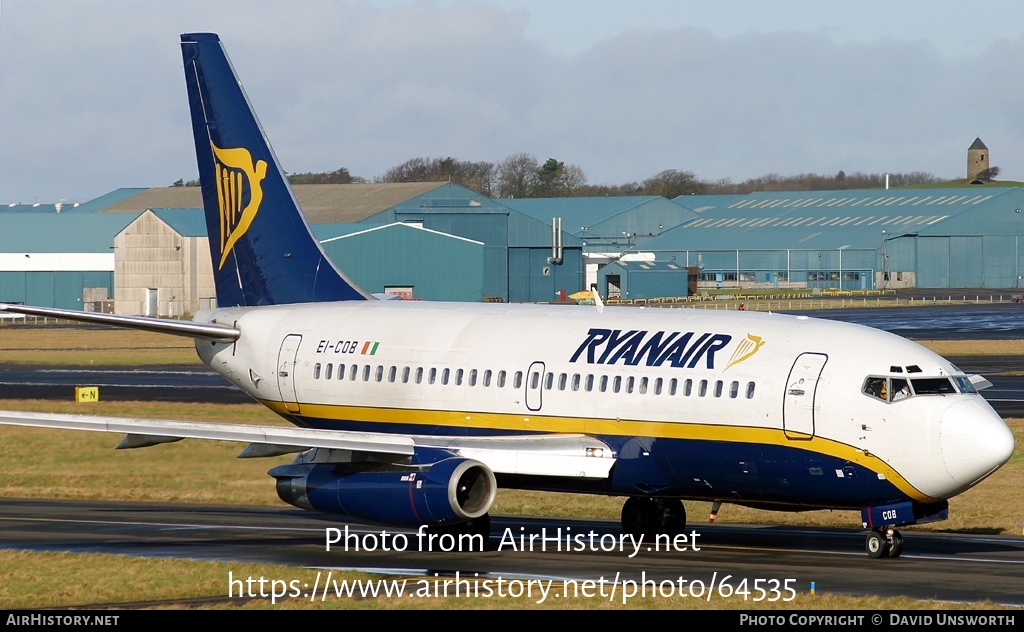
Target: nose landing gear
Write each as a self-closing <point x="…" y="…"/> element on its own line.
<point x="885" y="542"/>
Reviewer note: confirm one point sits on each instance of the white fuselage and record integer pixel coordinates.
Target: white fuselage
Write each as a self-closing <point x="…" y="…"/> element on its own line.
<point x="728" y="378"/>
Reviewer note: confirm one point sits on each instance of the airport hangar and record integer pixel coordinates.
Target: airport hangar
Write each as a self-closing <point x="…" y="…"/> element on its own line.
<point x="511" y="250"/>
<point x="477" y="248"/>
<point x="937" y="238"/>
<point x="433" y="241"/>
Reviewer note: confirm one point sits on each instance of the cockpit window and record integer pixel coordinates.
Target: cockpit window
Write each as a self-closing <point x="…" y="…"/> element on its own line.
<point x="932" y="386"/>
<point x="964" y="385"/>
<point x="893" y="389"/>
<point x="899" y="389"/>
<point x="877" y="387"/>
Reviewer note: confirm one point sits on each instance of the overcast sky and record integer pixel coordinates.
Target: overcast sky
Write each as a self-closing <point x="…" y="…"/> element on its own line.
<point x="92" y="95"/>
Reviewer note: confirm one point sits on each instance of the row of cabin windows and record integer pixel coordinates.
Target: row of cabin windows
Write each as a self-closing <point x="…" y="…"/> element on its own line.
<point x="574" y="382"/>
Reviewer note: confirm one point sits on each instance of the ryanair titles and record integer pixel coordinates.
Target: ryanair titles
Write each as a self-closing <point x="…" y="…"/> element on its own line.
<point x="635" y="347"/>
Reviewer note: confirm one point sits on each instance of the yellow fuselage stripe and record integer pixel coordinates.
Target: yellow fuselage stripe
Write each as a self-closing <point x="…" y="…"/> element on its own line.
<point x="506" y="422"/>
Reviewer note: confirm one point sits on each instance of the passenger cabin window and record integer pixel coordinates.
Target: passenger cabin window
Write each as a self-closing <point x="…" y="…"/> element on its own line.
<point x="316" y="371"/>
<point x="327" y="371"/>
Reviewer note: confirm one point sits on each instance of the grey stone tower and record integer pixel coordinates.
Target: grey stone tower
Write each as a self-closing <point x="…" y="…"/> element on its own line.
<point x="977" y="159"/>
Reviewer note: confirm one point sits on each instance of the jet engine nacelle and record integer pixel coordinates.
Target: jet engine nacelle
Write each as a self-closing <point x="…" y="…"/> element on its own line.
<point x="448" y="491"/>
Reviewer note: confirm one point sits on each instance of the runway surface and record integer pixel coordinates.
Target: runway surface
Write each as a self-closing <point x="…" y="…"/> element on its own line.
<point x="944" y="567"/>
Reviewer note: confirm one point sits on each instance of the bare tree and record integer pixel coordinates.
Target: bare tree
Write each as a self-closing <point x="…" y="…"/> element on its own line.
<point x="672" y="183"/>
<point x="516" y="176"/>
<point x="339" y="176"/>
<point x="477" y="176"/>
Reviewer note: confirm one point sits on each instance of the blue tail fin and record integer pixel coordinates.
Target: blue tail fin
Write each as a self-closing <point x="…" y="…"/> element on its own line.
<point x="263" y="250"/>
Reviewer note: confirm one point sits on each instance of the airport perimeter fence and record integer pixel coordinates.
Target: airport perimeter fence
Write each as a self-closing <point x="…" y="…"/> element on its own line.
<point x="808" y="302"/>
<point x="730" y="302"/>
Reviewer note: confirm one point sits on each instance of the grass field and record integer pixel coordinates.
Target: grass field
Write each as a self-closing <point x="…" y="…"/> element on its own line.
<point x="82" y="465"/>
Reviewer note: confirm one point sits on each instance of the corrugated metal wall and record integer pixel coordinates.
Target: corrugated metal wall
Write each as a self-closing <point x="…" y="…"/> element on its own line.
<point x="52" y="289"/>
<point x="437" y="267"/>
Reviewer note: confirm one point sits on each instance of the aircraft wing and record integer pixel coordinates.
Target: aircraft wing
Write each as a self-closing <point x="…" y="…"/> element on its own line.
<point x="542" y="455"/>
<point x="146" y="432"/>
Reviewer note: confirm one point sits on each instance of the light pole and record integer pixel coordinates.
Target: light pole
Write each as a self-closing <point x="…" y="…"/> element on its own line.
<point x="885" y="265"/>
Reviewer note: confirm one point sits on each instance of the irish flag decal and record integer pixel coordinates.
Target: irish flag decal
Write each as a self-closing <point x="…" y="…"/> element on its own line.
<point x="369" y="348"/>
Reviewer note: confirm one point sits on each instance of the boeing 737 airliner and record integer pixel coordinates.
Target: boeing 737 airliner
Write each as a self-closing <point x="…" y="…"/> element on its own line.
<point x="416" y="413"/>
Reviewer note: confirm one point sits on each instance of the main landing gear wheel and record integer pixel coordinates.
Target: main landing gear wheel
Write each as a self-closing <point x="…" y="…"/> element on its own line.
<point x="642" y="515"/>
<point x="881" y="543"/>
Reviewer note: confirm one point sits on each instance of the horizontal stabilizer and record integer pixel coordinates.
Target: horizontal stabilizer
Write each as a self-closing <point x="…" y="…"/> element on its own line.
<point x="206" y="331"/>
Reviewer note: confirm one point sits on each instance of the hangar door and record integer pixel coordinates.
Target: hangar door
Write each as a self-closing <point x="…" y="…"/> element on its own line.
<point x="933" y="262"/>
<point x="966" y="262"/>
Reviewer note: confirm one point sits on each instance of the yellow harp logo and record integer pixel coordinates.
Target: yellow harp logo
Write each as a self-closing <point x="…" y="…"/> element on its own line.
<point x="745" y="349"/>
<point x="236" y="174"/>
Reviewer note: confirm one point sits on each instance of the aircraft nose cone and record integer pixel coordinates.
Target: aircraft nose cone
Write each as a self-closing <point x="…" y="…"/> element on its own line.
<point x="974" y="440"/>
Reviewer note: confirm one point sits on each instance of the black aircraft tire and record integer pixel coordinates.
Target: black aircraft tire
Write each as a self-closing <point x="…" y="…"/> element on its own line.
<point x="896" y="548"/>
<point x="640" y="516"/>
<point x="876" y="544"/>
